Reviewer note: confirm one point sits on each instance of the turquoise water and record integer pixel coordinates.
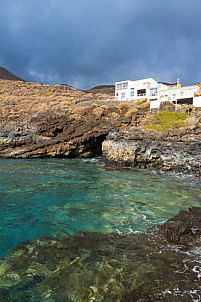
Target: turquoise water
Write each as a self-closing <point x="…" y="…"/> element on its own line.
<point x="59" y="197"/>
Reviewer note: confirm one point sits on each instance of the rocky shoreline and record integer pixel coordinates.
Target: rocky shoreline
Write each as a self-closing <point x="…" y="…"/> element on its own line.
<point x="40" y="121"/>
<point x="162" y="265"/>
<point x="178" y="151"/>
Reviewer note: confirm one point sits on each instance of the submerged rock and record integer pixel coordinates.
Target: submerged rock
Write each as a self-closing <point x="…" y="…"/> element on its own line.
<point x="105" y="267"/>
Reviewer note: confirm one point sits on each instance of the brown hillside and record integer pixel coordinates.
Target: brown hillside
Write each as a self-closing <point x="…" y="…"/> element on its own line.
<point x="23" y="100"/>
<point x="7" y="75"/>
<point x="104" y="89"/>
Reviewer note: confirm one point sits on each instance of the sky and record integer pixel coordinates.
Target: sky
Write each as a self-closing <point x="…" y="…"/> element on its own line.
<point x="85" y="43"/>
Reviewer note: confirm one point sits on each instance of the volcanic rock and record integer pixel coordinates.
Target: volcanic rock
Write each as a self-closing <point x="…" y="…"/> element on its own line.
<point x="185" y="228"/>
<point x="60" y="121"/>
<point x="174" y="150"/>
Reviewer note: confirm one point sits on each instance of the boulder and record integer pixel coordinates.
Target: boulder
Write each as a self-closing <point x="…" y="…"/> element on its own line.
<point x="183" y="229"/>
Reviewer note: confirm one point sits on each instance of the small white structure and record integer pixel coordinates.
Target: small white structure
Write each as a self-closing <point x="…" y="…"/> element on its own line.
<point x="141" y="89"/>
<point x="181" y="95"/>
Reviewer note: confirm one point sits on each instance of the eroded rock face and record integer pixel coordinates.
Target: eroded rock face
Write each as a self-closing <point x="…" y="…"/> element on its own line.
<point x="76" y="133"/>
<point x="105" y="267"/>
<point x="63" y="136"/>
<point x="40" y="121"/>
<point x="175" y="150"/>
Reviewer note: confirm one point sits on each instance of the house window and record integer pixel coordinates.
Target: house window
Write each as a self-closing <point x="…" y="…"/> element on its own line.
<point x="132" y="92"/>
<point x="117" y="94"/>
<point x="153" y="91"/>
<point x="125" y="85"/>
<point x="123" y="95"/>
<point x="119" y="86"/>
<point x="122" y="86"/>
<point x="141" y="92"/>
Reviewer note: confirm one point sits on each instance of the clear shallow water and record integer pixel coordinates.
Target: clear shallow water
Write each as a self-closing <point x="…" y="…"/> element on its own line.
<point x="59" y="197"/>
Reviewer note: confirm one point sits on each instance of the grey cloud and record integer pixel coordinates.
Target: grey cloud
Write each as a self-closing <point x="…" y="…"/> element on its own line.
<point x="90" y="42"/>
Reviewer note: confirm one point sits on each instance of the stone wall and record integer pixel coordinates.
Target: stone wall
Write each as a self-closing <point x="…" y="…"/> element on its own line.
<point x="108" y="102"/>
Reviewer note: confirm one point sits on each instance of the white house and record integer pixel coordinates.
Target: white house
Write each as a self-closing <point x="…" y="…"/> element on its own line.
<point x="188" y="95"/>
<point x="157" y="92"/>
<point x="141" y="89"/>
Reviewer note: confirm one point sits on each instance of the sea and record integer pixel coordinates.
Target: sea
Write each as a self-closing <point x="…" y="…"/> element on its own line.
<point x="60" y="197"/>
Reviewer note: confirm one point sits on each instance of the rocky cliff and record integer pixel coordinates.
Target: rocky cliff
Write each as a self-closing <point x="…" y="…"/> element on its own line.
<point x="46" y="121"/>
<point x="79" y="133"/>
<point x="171" y="141"/>
<point x="42" y="121"/>
<point x="174" y="150"/>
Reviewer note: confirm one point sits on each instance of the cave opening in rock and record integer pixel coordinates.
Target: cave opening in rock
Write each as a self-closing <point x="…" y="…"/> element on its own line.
<point x="93" y="147"/>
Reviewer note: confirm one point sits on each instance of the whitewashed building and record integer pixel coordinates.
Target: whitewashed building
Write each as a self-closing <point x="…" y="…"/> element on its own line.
<point x="141" y="89"/>
<point x="157" y="92"/>
<point x="188" y="95"/>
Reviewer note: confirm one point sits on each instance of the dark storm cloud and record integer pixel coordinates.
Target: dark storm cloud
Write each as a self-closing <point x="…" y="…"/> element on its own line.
<point x="89" y="42"/>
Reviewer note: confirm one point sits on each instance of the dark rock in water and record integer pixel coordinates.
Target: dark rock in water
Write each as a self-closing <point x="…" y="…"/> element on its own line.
<point x="185" y="228"/>
<point x="105" y="267"/>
